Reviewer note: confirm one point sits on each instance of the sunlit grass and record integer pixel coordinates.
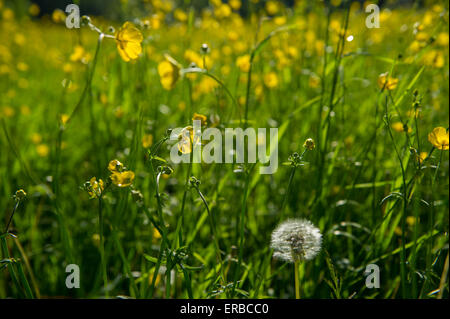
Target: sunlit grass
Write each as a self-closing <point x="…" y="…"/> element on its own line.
<point x="370" y="175"/>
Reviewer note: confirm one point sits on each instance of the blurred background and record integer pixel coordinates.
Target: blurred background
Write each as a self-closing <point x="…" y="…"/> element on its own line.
<point x="122" y="9"/>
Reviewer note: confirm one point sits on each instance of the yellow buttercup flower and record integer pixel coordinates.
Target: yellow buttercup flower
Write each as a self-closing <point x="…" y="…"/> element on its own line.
<point x="36" y="138"/>
<point x="64" y="118"/>
<point x="422" y="156"/>
<point x="20" y="39"/>
<point x="156" y="234"/>
<point x="280" y="20"/>
<point x="115" y="166"/>
<point x="243" y="63"/>
<point x="439" y="138"/>
<point x="122" y="179"/>
<point x="387" y="82"/>
<point x="180" y="15"/>
<point x="7" y="111"/>
<point x="34" y="10"/>
<point x="129" y="40"/>
<point x="222" y="11"/>
<point x="169" y="72"/>
<point x="272" y="7"/>
<point x="21" y="66"/>
<point x="235" y="4"/>
<point x="399" y="127"/>
<point x="199" y="117"/>
<point x="434" y="58"/>
<point x="192" y="56"/>
<point x="95" y="187"/>
<point x="271" y="80"/>
<point x="442" y="39"/>
<point x="58" y="16"/>
<point x="205" y="86"/>
<point x="185" y="139"/>
<point x="314" y="81"/>
<point x="147" y="140"/>
<point x="43" y="150"/>
<point x="79" y="54"/>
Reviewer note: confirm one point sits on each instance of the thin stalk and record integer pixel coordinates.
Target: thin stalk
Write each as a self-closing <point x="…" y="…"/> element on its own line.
<point x="291" y="178"/>
<point x="163" y="234"/>
<point x="11" y="217"/>
<point x="102" y="245"/>
<point x="214" y="233"/>
<point x="405" y="204"/>
<point x="89" y="81"/>
<point x="212" y="76"/>
<point x="134" y="290"/>
<point x="416" y="211"/>
<point x="323" y="145"/>
<point x="7" y="256"/>
<point x="179" y="234"/>
<point x="247" y="94"/>
<point x="241" y="232"/>
<point x="12" y="272"/>
<point x="432" y="221"/>
<point x="297" y="279"/>
<point x="443" y="278"/>
<point x="28" y="267"/>
<point x="164" y="242"/>
<point x="24" y="281"/>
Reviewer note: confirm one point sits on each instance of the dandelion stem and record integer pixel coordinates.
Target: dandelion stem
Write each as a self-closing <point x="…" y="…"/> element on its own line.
<point x="297" y="279"/>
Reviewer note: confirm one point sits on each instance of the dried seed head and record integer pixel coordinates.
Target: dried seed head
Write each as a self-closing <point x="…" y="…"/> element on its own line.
<point x="296" y="240"/>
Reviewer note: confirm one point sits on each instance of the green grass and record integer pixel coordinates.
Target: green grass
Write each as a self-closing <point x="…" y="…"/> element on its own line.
<point x="362" y="186"/>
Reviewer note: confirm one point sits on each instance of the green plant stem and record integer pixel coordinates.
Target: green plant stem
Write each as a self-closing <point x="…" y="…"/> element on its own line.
<point x="443" y="278"/>
<point x="12" y="272"/>
<point x="24" y="281"/>
<point x="291" y="178"/>
<point x="102" y="246"/>
<point x="405" y="205"/>
<point x="214" y="234"/>
<point x="179" y="234"/>
<point x="11" y="217"/>
<point x="247" y="93"/>
<point x="241" y="225"/>
<point x="297" y="279"/>
<point x="89" y="80"/>
<point x="432" y="220"/>
<point x="134" y="290"/>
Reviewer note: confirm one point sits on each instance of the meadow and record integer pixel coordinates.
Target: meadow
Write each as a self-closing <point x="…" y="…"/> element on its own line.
<point x="87" y="178"/>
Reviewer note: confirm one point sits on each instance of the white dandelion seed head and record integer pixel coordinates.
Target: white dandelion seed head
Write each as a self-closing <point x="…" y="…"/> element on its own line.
<point x="296" y="240"/>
